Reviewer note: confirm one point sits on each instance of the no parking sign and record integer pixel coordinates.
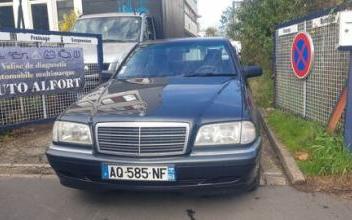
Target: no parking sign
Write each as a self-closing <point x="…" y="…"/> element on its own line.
<point x="302" y="54"/>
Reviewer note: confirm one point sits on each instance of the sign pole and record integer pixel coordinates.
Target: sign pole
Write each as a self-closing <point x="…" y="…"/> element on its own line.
<point x="348" y="118"/>
<point x="305" y="98"/>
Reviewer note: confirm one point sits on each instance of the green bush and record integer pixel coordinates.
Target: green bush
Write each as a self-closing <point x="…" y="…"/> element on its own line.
<point x="262" y="90"/>
<point x="68" y="22"/>
<point x="327" y="154"/>
<point x="329" y="157"/>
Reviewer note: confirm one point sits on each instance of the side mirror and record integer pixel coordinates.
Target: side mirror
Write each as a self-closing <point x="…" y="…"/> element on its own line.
<point x="252" y="71"/>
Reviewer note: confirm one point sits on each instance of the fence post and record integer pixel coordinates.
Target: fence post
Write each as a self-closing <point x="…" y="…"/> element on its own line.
<point x="100" y="55"/>
<point x="348" y="120"/>
<point x="273" y="67"/>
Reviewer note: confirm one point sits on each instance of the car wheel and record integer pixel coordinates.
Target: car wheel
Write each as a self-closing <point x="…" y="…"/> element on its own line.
<point x="256" y="183"/>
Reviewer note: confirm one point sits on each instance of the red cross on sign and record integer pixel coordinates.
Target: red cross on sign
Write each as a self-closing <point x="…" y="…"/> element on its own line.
<point x="302" y="53"/>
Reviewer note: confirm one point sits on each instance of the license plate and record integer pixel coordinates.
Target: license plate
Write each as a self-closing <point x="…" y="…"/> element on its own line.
<point x="138" y="173"/>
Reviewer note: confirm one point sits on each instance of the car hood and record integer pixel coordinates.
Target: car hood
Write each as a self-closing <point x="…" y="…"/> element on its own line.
<point x="112" y="52"/>
<point x="194" y="99"/>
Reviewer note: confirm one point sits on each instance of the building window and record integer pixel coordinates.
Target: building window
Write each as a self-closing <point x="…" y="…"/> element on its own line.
<point x="6" y="14"/>
<point x="6" y="17"/>
<point x="64" y="7"/>
<point x="40" y="16"/>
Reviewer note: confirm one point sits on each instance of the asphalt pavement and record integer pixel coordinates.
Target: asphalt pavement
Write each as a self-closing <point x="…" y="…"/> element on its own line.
<point x="35" y="198"/>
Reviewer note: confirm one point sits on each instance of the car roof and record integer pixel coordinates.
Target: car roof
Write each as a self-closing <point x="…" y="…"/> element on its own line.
<point x="188" y="40"/>
<point x="115" y="14"/>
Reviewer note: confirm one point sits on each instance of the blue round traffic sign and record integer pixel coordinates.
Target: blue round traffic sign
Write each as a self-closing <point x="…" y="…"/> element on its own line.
<point x="302" y="53"/>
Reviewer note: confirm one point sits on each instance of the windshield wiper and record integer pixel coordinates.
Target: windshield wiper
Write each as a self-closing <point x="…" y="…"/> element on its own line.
<point x="208" y="74"/>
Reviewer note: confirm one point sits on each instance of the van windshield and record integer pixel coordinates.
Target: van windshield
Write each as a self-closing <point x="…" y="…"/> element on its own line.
<point x="112" y="29"/>
<point x="188" y="59"/>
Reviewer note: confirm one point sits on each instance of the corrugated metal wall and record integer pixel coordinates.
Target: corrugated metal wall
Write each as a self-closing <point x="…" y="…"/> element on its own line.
<point x="174" y="23"/>
<point x="316" y="96"/>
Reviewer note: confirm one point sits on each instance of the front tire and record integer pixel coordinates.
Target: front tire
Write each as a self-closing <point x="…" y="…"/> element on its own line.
<point x="256" y="183"/>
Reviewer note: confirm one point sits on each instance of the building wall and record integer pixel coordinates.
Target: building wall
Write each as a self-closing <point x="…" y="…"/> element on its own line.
<point x="193" y="4"/>
<point x="191" y="16"/>
<point x="237" y="4"/>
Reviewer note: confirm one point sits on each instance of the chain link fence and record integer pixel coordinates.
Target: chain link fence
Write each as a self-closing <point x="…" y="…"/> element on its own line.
<point x="23" y="110"/>
<point x="315" y="97"/>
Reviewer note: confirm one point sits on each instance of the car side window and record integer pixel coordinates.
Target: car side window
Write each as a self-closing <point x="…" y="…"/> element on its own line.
<point x="149" y="29"/>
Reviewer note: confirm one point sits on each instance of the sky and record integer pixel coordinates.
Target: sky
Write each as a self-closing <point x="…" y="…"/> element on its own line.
<point x="211" y="11"/>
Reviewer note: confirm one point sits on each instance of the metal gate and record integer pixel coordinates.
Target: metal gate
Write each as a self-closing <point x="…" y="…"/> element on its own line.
<point x="315" y="97"/>
<point x="23" y="110"/>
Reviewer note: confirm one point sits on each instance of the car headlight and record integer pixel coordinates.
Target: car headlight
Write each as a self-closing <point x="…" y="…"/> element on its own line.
<point x="226" y="133"/>
<point x="69" y="132"/>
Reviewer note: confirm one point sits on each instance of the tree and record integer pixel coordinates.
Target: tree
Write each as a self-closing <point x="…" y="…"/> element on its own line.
<point x="256" y="20"/>
<point x="227" y="22"/>
<point x="211" y="32"/>
<point x="69" y="21"/>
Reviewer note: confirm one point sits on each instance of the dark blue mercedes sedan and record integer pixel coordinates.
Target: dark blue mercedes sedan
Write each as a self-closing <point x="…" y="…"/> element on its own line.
<point x="177" y="115"/>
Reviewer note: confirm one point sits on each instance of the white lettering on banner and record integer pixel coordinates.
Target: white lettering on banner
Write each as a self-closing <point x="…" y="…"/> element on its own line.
<point x="288" y="30"/>
<point x="5" y="36"/>
<point x="324" y="21"/>
<point x="79" y="40"/>
<point x="28" y="37"/>
<point x="51" y="70"/>
<point x="39" y="86"/>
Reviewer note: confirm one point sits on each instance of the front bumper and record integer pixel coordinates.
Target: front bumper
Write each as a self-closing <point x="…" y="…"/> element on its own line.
<point x="198" y="170"/>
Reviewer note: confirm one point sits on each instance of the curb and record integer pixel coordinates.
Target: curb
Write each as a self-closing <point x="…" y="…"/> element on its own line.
<point x="25" y="165"/>
<point x="29" y="176"/>
<point x="33" y="170"/>
<point x="289" y="164"/>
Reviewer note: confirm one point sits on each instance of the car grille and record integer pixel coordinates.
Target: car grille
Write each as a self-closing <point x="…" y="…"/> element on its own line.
<point x="142" y="139"/>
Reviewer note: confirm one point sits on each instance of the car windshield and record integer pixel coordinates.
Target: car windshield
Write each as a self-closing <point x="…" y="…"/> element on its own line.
<point x="113" y="29"/>
<point x="189" y="59"/>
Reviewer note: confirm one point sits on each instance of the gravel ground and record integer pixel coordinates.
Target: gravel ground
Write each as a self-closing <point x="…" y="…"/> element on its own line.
<point x="25" y="145"/>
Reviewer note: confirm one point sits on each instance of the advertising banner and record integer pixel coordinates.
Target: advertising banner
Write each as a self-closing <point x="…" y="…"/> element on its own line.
<point x="45" y="70"/>
<point x="5" y="36"/>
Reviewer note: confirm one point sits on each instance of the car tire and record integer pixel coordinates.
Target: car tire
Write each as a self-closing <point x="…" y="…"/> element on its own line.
<point x="256" y="183"/>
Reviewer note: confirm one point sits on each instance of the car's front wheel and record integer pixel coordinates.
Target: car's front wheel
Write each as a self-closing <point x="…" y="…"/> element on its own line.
<point x="256" y="183"/>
